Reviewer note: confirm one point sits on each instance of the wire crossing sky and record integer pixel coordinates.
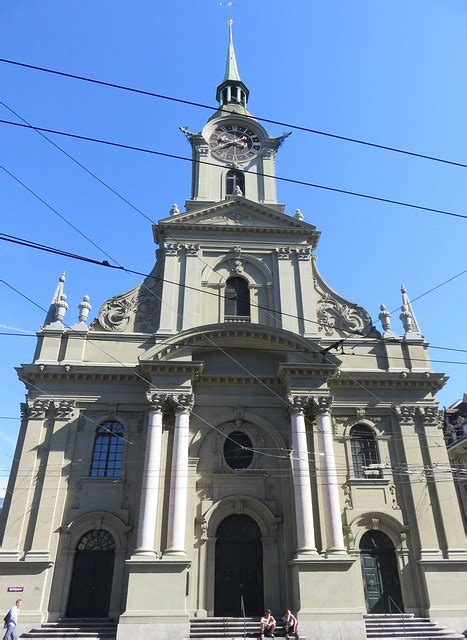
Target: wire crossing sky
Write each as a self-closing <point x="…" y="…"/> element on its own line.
<point x="367" y="71"/>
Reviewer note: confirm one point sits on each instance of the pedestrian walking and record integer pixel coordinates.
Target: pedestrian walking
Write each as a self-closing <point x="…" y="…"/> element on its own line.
<point x="11" y="620"/>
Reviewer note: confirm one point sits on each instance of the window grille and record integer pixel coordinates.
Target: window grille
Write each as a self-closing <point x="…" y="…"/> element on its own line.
<point x="364" y="451"/>
<point x="96" y="540"/>
<point x="107" y="455"/>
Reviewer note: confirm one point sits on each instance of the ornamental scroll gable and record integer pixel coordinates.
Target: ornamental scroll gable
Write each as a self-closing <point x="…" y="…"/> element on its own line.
<point x="338" y="317"/>
<point x="137" y="310"/>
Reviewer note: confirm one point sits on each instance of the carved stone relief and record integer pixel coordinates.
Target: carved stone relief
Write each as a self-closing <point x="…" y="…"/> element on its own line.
<point x="337" y="315"/>
<point x="135" y="310"/>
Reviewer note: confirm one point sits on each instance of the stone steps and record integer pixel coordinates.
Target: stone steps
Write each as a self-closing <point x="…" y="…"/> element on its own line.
<point x="402" y="626"/>
<point x="82" y="629"/>
<point x="228" y="629"/>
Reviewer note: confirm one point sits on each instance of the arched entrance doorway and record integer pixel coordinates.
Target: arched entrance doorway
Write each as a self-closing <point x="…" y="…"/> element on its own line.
<point x="239" y="567"/>
<point x="380" y="574"/>
<point x="91" y="581"/>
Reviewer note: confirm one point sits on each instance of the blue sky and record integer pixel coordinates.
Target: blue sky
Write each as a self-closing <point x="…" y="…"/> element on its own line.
<point x="389" y="72"/>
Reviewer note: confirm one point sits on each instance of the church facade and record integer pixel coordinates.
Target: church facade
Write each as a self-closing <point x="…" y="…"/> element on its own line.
<point x="232" y="432"/>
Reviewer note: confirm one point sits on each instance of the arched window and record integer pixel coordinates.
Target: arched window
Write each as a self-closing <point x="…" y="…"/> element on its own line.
<point x="96" y="540"/>
<point x="237" y="299"/>
<point x="364" y="452"/>
<point x="107" y="456"/>
<point x="234" y="179"/>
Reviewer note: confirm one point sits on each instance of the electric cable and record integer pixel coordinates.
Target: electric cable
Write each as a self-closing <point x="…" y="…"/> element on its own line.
<point x="219" y="109"/>
<point x="41" y="247"/>
<point x="192" y="160"/>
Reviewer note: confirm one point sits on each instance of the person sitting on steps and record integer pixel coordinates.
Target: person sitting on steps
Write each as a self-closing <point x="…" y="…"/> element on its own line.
<point x="290" y="623"/>
<point x="267" y="624"/>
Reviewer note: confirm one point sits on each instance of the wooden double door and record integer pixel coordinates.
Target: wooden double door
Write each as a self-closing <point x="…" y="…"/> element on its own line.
<point x="91" y="581"/>
<point x="380" y="574"/>
<point x="239" y="567"/>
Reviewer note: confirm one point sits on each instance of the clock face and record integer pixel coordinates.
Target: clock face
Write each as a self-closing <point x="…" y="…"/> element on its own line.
<point x="234" y="143"/>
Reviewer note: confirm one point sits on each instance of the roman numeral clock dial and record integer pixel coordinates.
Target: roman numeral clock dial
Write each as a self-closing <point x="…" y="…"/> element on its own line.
<point x="234" y="143"/>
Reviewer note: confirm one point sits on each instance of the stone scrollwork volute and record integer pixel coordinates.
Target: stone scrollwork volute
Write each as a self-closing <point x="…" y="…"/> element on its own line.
<point x="336" y="316"/>
<point x="116" y="313"/>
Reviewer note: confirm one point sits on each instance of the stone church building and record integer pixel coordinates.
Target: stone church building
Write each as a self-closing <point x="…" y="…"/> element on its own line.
<point x="231" y="431"/>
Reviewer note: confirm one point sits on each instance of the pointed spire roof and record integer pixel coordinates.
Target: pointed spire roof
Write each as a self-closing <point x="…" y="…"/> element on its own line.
<point x="232" y="91"/>
<point x="231" y="68"/>
<point x="56" y="299"/>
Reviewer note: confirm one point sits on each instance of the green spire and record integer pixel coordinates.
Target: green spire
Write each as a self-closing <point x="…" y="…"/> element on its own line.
<point x="231" y="69"/>
<point x="232" y="91"/>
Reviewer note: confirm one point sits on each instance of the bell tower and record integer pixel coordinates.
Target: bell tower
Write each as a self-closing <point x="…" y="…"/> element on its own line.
<point x="233" y="155"/>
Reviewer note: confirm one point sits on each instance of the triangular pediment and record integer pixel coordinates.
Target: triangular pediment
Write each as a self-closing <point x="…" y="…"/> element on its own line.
<point x="242" y="214"/>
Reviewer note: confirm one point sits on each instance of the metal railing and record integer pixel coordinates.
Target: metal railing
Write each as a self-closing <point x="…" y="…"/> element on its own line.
<point x="391" y="600"/>
<point x="242" y="609"/>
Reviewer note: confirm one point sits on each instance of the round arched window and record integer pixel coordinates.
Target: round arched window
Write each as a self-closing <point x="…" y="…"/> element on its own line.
<point x="238" y="450"/>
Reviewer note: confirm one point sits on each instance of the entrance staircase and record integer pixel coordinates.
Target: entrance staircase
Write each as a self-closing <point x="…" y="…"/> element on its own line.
<point x="79" y="628"/>
<point x="406" y="626"/>
<point x="228" y="629"/>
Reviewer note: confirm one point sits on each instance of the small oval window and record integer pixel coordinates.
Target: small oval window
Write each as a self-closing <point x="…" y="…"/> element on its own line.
<point x="238" y="450"/>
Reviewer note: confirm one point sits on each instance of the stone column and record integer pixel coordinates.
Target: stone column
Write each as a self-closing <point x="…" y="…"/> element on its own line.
<point x="301" y="477"/>
<point x="332" y="507"/>
<point x="183" y="405"/>
<point x="149" y="498"/>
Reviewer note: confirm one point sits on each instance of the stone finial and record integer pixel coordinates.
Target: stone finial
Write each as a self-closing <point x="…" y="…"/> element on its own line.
<point x="412" y="330"/>
<point x="385" y="319"/>
<point x="84" y="308"/>
<point x="58" y="306"/>
<point x="298" y="215"/>
<point x="237" y="191"/>
<point x="406" y="318"/>
<point x="61" y="308"/>
<point x="174" y="210"/>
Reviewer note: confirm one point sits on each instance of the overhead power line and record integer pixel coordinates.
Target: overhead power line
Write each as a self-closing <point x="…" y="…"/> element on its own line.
<point x="202" y="105"/>
<point x="174" y="156"/>
<point x="104" y="263"/>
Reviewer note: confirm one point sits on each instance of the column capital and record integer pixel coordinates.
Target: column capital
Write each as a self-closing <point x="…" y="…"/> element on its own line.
<point x="156" y="400"/>
<point x="298" y="404"/>
<point x="181" y="402"/>
<point x="431" y="416"/>
<point x="322" y="405"/>
<point x="406" y="413"/>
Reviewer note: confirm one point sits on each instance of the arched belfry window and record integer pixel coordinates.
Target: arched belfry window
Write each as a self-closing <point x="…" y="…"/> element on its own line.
<point x="237" y="299"/>
<point x="107" y="456"/>
<point x="364" y="452"/>
<point x="234" y="179"/>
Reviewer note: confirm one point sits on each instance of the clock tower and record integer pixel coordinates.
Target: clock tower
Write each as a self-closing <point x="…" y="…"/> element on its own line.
<point x="233" y="154"/>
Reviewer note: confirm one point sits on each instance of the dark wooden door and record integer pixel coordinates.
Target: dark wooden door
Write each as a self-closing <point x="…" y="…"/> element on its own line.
<point x="380" y="574"/>
<point x="239" y="567"/>
<point x="91" y="584"/>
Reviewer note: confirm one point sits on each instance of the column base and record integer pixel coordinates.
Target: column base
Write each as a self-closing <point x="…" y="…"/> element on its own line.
<point x="176" y="554"/>
<point x="335" y="551"/>
<point x="150" y="554"/>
